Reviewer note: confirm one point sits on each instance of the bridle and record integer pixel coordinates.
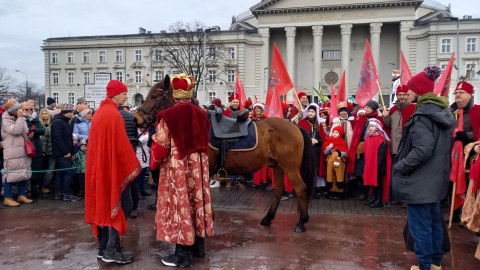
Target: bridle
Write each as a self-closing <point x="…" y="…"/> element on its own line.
<point x="150" y="117"/>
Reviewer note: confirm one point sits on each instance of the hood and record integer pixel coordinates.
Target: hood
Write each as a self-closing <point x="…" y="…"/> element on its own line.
<point x="436" y="109"/>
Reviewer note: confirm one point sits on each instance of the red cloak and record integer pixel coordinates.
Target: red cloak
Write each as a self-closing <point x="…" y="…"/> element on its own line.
<point x="474" y="115"/>
<point x="338" y="144"/>
<point x="406" y="112"/>
<point x="370" y="172"/>
<point x="111" y="165"/>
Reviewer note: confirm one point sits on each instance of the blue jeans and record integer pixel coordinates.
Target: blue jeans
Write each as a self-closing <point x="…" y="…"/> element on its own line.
<point x="425" y="224"/>
<point x="22" y="188"/>
<point x="48" y="164"/>
<point x="63" y="181"/>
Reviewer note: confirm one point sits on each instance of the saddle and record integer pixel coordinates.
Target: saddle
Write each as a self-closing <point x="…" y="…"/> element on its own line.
<point x="229" y="127"/>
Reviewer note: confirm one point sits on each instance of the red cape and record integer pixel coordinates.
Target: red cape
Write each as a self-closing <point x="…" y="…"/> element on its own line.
<point x="189" y="127"/>
<point x="406" y="112"/>
<point x="474" y="115"/>
<point x="111" y="165"/>
<point x="338" y="144"/>
<point x="370" y="172"/>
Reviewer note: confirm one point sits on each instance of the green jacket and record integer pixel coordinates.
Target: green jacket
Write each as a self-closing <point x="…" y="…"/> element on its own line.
<point x="79" y="161"/>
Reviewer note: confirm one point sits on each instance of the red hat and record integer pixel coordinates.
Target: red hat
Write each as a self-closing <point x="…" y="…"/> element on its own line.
<point x="350" y="106"/>
<point x="217" y="102"/>
<point x="402" y="89"/>
<point x="248" y="103"/>
<point x="182" y="86"/>
<point x="115" y="87"/>
<point x="465" y="86"/>
<point x="339" y="129"/>
<point x="424" y="82"/>
<point x="301" y="94"/>
<point x="285" y="107"/>
<point x="293" y="111"/>
<point x="233" y="96"/>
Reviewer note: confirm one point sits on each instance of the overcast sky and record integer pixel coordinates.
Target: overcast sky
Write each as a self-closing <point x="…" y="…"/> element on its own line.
<point x="24" y="24"/>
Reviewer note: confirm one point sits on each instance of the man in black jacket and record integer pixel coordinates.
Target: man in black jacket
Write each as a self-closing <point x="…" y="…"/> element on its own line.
<point x="62" y="151"/>
<point x="422" y="167"/>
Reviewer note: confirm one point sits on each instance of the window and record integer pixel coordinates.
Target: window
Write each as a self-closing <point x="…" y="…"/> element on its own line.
<point x="54" y="58"/>
<point x="471" y="71"/>
<point x="212" y="54"/>
<point x="119" y="75"/>
<point x="443" y="67"/>
<point x="230" y="76"/>
<point x="138" y="55"/>
<point x="332" y="55"/>
<point x="212" y="75"/>
<point x="86" y="77"/>
<point x="193" y="53"/>
<point x="119" y="56"/>
<point x="158" y="75"/>
<point x="138" y="76"/>
<point x="55" y="96"/>
<point x="157" y="55"/>
<point x="70" y="59"/>
<point x="86" y="57"/>
<point x="55" y="77"/>
<point x="102" y="56"/>
<point x="71" y="77"/>
<point x="446" y="45"/>
<point x="212" y="95"/>
<point x="230" y="53"/>
<point x="71" y="98"/>
<point x="471" y="44"/>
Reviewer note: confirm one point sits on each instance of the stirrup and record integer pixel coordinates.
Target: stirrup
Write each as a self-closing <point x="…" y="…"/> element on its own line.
<point x="217" y="175"/>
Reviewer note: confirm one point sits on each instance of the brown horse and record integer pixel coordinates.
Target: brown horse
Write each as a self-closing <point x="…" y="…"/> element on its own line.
<point x="281" y="145"/>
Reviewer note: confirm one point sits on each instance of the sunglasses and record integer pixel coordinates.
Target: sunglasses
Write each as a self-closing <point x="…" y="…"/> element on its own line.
<point x="28" y="110"/>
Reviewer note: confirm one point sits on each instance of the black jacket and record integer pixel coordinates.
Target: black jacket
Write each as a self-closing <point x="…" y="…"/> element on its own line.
<point x="61" y="134"/>
<point x="422" y="166"/>
<point x="130" y="127"/>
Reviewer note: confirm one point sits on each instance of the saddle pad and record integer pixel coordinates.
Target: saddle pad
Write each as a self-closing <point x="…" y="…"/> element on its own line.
<point x="244" y="143"/>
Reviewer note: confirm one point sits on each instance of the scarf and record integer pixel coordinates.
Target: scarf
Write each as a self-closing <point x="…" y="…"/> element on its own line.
<point x="431" y="98"/>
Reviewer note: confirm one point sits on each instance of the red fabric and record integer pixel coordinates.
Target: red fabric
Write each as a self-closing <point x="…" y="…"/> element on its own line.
<point x="279" y="77"/>
<point x="338" y="144"/>
<point x="261" y="176"/>
<point x="333" y="102"/>
<point x="115" y="87"/>
<point x="370" y="172"/>
<point x="457" y="172"/>
<point x="402" y="89"/>
<point x="227" y="112"/>
<point x="474" y="114"/>
<point x="240" y="91"/>
<point x="273" y="106"/>
<point x="465" y="86"/>
<point x="368" y="85"/>
<point x="406" y="73"/>
<point x="248" y="103"/>
<point x="475" y="175"/>
<point x="157" y="154"/>
<point x="406" y="112"/>
<point x="189" y="127"/>
<point x="443" y="86"/>
<point x="301" y="94"/>
<point x="111" y="165"/>
<point x="342" y="91"/>
<point x="217" y="102"/>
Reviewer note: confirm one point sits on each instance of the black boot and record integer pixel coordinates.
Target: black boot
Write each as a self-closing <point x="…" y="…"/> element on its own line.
<point x="102" y="241"/>
<point x="198" y="248"/>
<point x="181" y="257"/>
<point x="371" y="199"/>
<point x="317" y="193"/>
<point x="243" y="116"/>
<point x="378" y="194"/>
<point x="115" y="255"/>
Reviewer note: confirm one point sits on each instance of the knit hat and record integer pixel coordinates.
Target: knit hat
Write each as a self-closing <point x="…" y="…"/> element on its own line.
<point x="301" y="94"/>
<point x="233" y="97"/>
<point x="285" y="107"/>
<point x="115" y="87"/>
<point x="248" y="103"/>
<point x="51" y="101"/>
<point x="402" y="89"/>
<point x="182" y="86"/>
<point x="217" y="102"/>
<point x="373" y="105"/>
<point x="259" y="105"/>
<point x="82" y="109"/>
<point x="339" y="129"/>
<point x="465" y="86"/>
<point x="424" y="82"/>
<point x="11" y="105"/>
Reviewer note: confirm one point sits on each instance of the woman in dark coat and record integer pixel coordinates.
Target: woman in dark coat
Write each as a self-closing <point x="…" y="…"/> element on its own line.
<point x="35" y="130"/>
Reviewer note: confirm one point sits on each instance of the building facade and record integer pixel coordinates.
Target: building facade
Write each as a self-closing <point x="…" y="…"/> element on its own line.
<point x="317" y="39"/>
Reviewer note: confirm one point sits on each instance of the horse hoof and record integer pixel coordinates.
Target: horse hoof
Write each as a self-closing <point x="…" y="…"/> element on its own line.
<point x="265" y="222"/>
<point x="299" y="229"/>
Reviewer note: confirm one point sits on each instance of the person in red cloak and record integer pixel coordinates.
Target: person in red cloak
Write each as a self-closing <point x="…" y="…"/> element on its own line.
<point x="234" y="105"/>
<point x="335" y="148"/>
<point x="260" y="177"/>
<point x="184" y="210"/>
<point x="378" y="162"/>
<point x="111" y="165"/>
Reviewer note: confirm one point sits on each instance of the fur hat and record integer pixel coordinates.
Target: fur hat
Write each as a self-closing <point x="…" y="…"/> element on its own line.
<point x="259" y="105"/>
<point x="424" y="82"/>
<point x="182" y="86"/>
<point x="11" y="105"/>
<point x="51" y="101"/>
<point x="465" y="86"/>
<point x="115" y="87"/>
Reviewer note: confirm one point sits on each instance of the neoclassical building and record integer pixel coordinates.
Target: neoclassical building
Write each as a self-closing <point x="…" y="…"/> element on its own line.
<point x="318" y="40"/>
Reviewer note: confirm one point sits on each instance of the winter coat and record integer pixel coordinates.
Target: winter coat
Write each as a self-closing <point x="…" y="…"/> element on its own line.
<point x="81" y="127"/>
<point x="421" y="169"/>
<point x="62" y="141"/>
<point x="143" y="155"/>
<point x="14" y="132"/>
<point x="131" y="129"/>
<point x="47" y="141"/>
<point x="38" y="130"/>
<point x="79" y="161"/>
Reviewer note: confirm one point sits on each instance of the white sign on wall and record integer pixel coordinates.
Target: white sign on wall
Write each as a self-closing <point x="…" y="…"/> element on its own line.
<point x="97" y="92"/>
<point x="102" y="78"/>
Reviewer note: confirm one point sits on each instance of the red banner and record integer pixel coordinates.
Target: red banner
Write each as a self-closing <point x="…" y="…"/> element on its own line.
<point x="333" y="103"/>
<point x="240" y="91"/>
<point x="443" y="86"/>
<point x="368" y="83"/>
<point x="273" y="106"/>
<point x="406" y="73"/>
<point x="342" y="91"/>
<point x="279" y="77"/>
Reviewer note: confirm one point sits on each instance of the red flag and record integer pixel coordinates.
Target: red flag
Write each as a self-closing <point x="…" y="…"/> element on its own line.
<point x="295" y="100"/>
<point x="443" y="86"/>
<point x="368" y="83"/>
<point x="406" y="73"/>
<point x="342" y="91"/>
<point x="273" y="106"/>
<point x="240" y="91"/>
<point x="279" y="78"/>
<point x="333" y="102"/>
<point x="457" y="172"/>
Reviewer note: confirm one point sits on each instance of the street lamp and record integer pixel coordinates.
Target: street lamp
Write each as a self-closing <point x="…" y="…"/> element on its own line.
<point x="27" y="92"/>
<point x="204" y="70"/>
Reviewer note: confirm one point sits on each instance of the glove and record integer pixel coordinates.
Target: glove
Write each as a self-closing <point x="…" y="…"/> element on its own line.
<point x="461" y="136"/>
<point x="336" y="164"/>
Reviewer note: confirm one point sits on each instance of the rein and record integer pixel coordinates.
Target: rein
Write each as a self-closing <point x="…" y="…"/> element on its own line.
<point x="150" y="118"/>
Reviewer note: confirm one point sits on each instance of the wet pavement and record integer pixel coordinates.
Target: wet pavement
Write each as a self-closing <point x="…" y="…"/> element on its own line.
<point x="340" y="235"/>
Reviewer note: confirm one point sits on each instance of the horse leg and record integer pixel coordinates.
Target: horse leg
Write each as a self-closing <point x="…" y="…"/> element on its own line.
<point x="301" y="191"/>
<point x="279" y="188"/>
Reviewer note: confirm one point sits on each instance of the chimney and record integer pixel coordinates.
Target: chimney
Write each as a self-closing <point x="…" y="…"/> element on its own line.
<point x="142" y="30"/>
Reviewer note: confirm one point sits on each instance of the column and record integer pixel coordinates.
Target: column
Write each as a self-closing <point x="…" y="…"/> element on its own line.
<point x="317" y="54"/>
<point x="346" y="30"/>
<point x="405" y="27"/>
<point x="265" y="33"/>
<point x="375" y="30"/>
<point x="290" y="34"/>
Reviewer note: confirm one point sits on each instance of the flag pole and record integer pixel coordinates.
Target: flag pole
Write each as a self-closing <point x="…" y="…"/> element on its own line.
<point x="381" y="96"/>
<point x="454" y="190"/>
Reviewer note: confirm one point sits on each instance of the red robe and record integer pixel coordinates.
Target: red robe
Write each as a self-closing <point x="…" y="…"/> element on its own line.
<point x="111" y="165"/>
<point x="406" y="112"/>
<point x="370" y="173"/>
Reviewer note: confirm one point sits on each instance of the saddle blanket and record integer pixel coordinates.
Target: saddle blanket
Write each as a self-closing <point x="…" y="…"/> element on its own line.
<point x="244" y="143"/>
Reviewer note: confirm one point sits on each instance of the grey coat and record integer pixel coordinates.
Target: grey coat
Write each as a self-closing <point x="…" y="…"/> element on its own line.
<point x="14" y="130"/>
<point x="422" y="166"/>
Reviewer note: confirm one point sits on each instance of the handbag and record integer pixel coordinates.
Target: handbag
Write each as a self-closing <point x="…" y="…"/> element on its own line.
<point x="30" y="148"/>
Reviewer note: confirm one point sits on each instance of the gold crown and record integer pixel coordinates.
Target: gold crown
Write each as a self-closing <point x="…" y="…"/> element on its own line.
<point x="10" y="103"/>
<point x="81" y="107"/>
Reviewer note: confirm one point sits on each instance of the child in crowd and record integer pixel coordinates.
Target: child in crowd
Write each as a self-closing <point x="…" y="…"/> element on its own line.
<point x="76" y="145"/>
<point x="335" y="148"/>
<point x="79" y="163"/>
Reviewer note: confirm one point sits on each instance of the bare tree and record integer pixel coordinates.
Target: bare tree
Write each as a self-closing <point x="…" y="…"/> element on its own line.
<point x="182" y="49"/>
<point x="37" y="93"/>
<point x="6" y="81"/>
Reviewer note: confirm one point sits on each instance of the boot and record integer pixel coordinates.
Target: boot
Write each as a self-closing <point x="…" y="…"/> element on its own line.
<point x="371" y="199"/>
<point x="378" y="191"/>
<point x="115" y="255"/>
<point x="24" y="199"/>
<point x="181" y="257"/>
<point x="435" y="267"/>
<point x="10" y="202"/>
<point x="198" y="248"/>
<point x="317" y="193"/>
<point x="243" y="116"/>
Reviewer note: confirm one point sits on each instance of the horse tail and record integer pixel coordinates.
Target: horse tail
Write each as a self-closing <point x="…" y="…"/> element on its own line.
<point x="308" y="166"/>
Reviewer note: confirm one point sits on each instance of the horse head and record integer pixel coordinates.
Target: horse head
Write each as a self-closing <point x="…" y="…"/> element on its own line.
<point x="159" y="98"/>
